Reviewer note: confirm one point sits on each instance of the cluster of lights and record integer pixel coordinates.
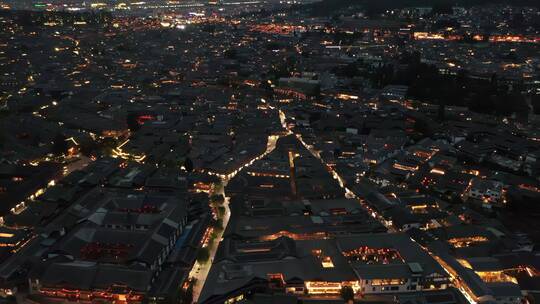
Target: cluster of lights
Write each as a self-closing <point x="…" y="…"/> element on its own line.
<point x="371" y="255"/>
<point x="119" y="153"/>
<point x="461" y="242"/>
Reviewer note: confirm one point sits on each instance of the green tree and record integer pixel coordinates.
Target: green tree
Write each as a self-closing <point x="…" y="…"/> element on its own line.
<point x="218" y="224"/>
<point x="217" y="199"/>
<point x="221" y="211"/>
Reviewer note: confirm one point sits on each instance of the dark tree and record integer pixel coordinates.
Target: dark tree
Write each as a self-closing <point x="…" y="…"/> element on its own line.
<point x="383" y="76"/>
<point x="350" y="70"/>
<point x="279" y="70"/>
<point x="188" y="164"/>
<point x="481" y="101"/>
<point x="441" y="112"/>
<point x="267" y="88"/>
<point x="535" y="101"/>
<point x="518" y="20"/>
<point x="313" y="117"/>
<point x="132" y="123"/>
<point x="218" y="224"/>
<point x="230" y="54"/>
<point x="203" y="255"/>
<point x="347" y="293"/>
<point x="210" y="28"/>
<point x="186" y="296"/>
<point x="88" y="147"/>
<point x="446" y="23"/>
<point x="517" y="102"/>
<point x="422" y="126"/>
<point x="217" y="199"/>
<point x="221" y="211"/>
<point x="443" y="7"/>
<point x="2" y="138"/>
<point x="60" y="145"/>
<point x="273" y="46"/>
<point x="494" y="80"/>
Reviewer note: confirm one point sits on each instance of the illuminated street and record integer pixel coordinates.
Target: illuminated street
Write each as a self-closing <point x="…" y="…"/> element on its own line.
<point x="354" y="151"/>
<point x="200" y="272"/>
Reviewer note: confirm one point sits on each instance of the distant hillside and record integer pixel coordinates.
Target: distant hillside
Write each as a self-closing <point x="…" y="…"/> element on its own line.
<point x="328" y="7"/>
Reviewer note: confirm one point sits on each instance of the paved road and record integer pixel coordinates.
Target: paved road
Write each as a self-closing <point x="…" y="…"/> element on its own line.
<point x="200" y="272"/>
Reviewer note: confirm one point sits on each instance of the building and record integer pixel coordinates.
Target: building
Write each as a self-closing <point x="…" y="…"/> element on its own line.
<point x="487" y="191"/>
<point x="368" y="263"/>
<point x="116" y="249"/>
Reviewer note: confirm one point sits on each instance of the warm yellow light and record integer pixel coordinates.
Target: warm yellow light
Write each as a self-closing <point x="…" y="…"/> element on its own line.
<point x="437" y="171"/>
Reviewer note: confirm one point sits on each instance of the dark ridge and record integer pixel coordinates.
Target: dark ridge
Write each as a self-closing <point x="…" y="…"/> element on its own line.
<point x="373" y="7"/>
